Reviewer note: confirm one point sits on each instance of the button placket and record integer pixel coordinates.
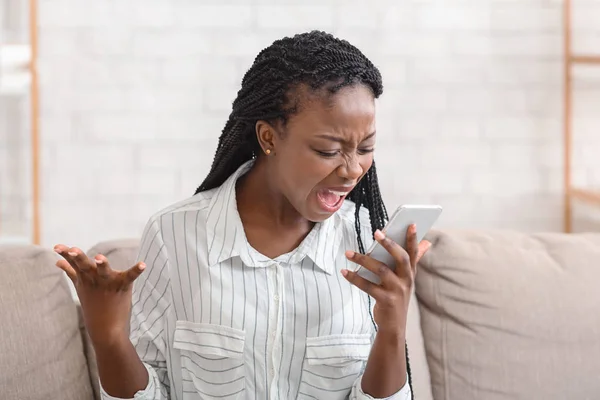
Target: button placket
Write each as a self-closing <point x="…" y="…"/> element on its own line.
<point x="274" y="324"/>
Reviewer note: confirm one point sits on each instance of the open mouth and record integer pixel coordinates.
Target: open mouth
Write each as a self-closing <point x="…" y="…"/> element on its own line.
<point x="331" y="199"/>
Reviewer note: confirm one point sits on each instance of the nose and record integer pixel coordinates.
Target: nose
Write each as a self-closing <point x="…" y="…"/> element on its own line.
<point x="350" y="169"/>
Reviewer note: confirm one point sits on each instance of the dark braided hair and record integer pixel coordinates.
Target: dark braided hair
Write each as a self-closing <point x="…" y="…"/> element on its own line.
<point x="322" y="62"/>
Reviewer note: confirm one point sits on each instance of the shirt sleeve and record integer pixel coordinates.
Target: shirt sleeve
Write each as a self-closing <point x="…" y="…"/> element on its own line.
<point x="154" y="391"/>
<point x="358" y="394"/>
<point x="148" y="314"/>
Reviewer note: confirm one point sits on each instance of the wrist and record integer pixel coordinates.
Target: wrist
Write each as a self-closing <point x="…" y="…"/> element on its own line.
<point x="392" y="336"/>
<point x="110" y="343"/>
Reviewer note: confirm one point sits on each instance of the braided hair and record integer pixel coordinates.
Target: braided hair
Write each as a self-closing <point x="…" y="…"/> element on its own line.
<point x="322" y="62"/>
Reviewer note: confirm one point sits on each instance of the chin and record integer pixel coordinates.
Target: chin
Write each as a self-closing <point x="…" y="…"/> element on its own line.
<point x="316" y="218"/>
<point x="316" y="212"/>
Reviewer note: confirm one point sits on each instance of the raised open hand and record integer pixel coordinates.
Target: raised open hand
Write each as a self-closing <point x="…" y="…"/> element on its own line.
<point x="104" y="293"/>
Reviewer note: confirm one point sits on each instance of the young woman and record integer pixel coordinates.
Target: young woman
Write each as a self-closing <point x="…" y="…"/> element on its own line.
<point x="248" y="290"/>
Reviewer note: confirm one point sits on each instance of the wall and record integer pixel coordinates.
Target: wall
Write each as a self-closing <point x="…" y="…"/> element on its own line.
<point x="15" y="145"/>
<point x="135" y="94"/>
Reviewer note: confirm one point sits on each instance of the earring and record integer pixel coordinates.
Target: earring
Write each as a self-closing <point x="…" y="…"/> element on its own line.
<point x="268" y="151"/>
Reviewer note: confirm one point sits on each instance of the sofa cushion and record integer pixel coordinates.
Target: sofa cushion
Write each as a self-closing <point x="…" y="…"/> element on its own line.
<point x="421" y="385"/>
<point x="40" y="346"/>
<point x="509" y="315"/>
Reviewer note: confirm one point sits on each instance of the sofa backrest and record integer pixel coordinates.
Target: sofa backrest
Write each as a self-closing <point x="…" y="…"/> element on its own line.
<point x="509" y="315"/>
<point x="41" y="349"/>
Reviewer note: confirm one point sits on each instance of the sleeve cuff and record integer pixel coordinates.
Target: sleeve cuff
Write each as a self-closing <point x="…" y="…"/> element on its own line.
<point x="149" y="393"/>
<point x="358" y="394"/>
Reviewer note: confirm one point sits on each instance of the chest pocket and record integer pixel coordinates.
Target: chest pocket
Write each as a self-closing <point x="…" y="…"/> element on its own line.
<point x="212" y="360"/>
<point x="332" y="364"/>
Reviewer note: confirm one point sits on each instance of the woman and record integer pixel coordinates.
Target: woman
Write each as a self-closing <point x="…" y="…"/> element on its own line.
<point x="249" y="290"/>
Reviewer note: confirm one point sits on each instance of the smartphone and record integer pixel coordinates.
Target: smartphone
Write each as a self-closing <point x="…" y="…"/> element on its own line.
<point x="424" y="216"/>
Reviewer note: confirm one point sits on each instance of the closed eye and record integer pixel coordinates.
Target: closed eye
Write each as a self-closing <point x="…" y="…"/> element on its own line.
<point x="327" y="153"/>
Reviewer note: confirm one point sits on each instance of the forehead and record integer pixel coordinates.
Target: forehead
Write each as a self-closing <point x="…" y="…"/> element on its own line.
<point x="351" y="110"/>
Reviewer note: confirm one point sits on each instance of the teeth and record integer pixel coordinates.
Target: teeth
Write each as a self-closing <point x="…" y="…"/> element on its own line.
<point x="338" y="193"/>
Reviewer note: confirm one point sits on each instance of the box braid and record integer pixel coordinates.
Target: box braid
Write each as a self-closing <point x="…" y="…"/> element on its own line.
<point x="322" y="62"/>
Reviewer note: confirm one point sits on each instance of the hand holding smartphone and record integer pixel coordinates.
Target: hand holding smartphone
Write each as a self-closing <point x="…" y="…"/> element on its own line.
<point x="424" y="216"/>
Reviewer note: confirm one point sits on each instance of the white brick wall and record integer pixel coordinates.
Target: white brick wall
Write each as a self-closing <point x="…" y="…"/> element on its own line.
<point x="135" y="94"/>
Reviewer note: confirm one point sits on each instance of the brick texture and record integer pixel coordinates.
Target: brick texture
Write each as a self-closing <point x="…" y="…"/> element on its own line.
<point x="135" y="94"/>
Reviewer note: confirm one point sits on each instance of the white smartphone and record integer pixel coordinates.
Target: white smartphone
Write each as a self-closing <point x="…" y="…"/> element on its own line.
<point x="424" y="216"/>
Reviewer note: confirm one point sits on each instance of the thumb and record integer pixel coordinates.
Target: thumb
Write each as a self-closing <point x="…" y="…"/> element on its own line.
<point x="69" y="270"/>
<point x="424" y="246"/>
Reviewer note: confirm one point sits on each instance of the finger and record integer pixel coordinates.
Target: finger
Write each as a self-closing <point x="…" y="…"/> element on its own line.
<point x="412" y="245"/>
<point x="366" y="286"/>
<point x="384" y="272"/>
<point x="82" y="261"/>
<point x="63" y="251"/>
<point x="59" y="248"/>
<point x="403" y="267"/>
<point x="424" y="246"/>
<point x="102" y="266"/>
<point x="135" y="271"/>
<point x="69" y="270"/>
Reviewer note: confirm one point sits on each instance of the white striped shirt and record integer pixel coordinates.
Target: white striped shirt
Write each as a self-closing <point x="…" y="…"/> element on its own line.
<point x="212" y="318"/>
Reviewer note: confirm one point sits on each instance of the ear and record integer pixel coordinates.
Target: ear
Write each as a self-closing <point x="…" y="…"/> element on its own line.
<point x="265" y="133"/>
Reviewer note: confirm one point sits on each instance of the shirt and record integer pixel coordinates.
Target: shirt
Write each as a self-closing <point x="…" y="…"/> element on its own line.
<point x="213" y="318"/>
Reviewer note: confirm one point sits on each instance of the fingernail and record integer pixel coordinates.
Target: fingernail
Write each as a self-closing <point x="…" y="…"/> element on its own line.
<point x="99" y="261"/>
<point x="379" y="235"/>
<point x="59" y="251"/>
<point x="345" y="272"/>
<point x="349" y="253"/>
<point x="142" y="266"/>
<point x="72" y="254"/>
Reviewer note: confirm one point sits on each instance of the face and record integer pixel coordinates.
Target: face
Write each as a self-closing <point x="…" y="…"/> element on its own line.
<point x="323" y="151"/>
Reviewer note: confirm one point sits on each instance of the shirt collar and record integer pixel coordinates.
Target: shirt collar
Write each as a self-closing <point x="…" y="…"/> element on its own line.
<point x="226" y="237"/>
<point x="323" y="247"/>
<point x="223" y="224"/>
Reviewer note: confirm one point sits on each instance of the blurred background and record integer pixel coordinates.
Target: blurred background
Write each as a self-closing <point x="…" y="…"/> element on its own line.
<point x="123" y="115"/>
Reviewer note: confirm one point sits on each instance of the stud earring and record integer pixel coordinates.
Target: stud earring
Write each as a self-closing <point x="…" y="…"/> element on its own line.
<point x="268" y="151"/>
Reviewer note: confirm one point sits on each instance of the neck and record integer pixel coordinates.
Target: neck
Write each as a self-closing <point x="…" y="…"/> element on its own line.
<point x="260" y="202"/>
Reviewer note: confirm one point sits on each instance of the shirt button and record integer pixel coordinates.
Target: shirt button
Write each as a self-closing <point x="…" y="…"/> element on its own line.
<point x="276" y="297"/>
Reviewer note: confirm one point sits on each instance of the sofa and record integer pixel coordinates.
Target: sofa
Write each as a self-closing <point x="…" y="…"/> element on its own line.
<point x="495" y="315"/>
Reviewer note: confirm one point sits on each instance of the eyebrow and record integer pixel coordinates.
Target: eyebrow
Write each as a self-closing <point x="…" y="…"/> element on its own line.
<point x="341" y="140"/>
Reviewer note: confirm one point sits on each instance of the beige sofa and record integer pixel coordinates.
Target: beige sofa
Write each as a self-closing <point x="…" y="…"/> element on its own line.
<point x="496" y="315"/>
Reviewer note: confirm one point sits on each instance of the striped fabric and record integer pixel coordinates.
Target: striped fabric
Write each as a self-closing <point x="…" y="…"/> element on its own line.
<point x="214" y="319"/>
